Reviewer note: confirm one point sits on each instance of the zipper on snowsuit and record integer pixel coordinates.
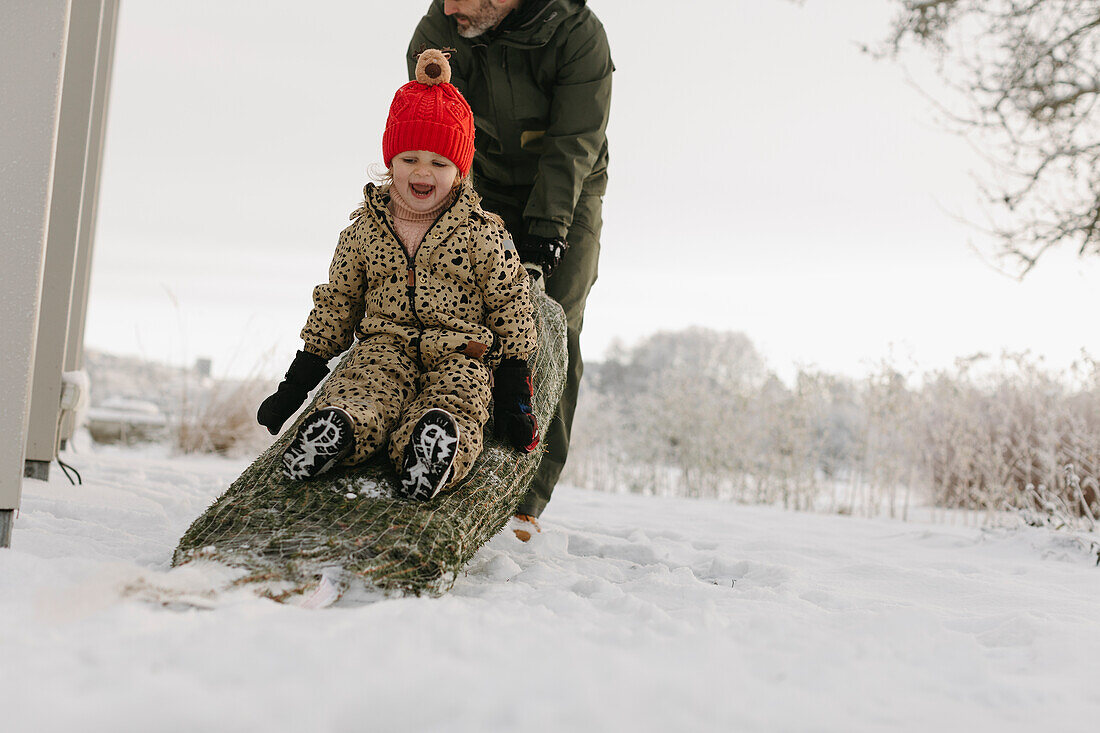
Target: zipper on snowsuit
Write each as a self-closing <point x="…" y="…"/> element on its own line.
<point x="410" y="274"/>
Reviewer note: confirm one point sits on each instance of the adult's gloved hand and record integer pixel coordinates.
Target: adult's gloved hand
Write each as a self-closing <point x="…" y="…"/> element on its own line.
<point x="306" y="372"/>
<point x="513" y="418"/>
<point x="546" y="252"/>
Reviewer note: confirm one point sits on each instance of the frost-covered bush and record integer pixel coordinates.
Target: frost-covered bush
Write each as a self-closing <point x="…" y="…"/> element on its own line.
<point x="220" y="417"/>
<point x="696" y="413"/>
<point x="203" y="415"/>
<point x="990" y="430"/>
<point x="669" y="415"/>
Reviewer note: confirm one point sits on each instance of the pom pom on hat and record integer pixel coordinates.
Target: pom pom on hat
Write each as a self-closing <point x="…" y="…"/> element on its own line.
<point x="431" y="114"/>
<point x="432" y="67"/>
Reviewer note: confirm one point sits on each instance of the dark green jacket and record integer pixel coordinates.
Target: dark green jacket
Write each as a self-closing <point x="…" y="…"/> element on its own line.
<point x="540" y="89"/>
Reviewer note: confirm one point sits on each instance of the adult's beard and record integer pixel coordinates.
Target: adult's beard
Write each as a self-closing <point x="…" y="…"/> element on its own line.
<point x="487" y="17"/>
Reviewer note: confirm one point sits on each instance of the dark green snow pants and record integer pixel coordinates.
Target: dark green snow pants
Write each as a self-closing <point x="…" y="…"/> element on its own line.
<point x="569" y="286"/>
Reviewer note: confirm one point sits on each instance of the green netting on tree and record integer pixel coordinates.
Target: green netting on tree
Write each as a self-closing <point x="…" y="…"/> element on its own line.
<point x="283" y="533"/>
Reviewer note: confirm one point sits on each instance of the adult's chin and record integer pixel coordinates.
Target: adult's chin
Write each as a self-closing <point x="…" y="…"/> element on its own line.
<point x="470" y="31"/>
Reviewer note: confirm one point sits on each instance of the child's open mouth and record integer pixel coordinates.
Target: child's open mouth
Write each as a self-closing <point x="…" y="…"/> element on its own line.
<point x="422" y="190"/>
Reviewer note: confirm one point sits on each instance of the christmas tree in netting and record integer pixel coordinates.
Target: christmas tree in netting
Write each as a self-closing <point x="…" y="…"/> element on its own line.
<point x="284" y="533"/>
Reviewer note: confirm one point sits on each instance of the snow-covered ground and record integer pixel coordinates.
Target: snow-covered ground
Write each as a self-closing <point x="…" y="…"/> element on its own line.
<point x="627" y="613"/>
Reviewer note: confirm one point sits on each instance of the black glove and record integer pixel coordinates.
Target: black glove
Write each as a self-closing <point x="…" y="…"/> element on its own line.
<point x="546" y="252"/>
<point x="513" y="417"/>
<point x="306" y="372"/>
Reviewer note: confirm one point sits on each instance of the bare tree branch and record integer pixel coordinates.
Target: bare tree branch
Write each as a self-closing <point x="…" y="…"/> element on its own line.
<point x="1028" y="75"/>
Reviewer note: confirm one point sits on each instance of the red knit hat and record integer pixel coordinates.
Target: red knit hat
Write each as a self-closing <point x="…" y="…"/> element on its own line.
<point x="431" y="114"/>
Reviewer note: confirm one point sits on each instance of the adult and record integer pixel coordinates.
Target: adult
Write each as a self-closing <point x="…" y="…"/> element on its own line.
<point x="537" y="74"/>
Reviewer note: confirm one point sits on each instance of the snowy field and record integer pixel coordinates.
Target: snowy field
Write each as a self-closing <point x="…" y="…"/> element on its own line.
<point x="627" y="613"/>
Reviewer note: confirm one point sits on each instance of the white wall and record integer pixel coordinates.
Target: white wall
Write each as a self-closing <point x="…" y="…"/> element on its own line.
<point x="32" y="56"/>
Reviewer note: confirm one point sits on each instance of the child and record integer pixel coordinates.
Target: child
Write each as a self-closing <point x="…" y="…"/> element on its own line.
<point x="432" y="289"/>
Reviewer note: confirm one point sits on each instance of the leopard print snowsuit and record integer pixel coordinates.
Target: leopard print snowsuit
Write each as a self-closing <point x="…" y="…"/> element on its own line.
<point x="429" y="328"/>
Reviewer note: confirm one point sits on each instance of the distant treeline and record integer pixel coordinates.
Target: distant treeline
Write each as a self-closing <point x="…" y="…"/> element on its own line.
<point x="697" y="413"/>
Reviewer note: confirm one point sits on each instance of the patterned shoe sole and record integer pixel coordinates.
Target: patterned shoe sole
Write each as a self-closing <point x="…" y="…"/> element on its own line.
<point x="322" y="440"/>
<point x="430" y="455"/>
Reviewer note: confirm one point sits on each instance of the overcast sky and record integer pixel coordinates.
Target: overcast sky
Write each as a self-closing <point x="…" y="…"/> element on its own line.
<point x="766" y="177"/>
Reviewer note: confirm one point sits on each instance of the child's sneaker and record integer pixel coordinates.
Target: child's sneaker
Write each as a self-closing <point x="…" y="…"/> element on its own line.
<point x="429" y="455"/>
<point x="322" y="440"/>
<point x="523" y="526"/>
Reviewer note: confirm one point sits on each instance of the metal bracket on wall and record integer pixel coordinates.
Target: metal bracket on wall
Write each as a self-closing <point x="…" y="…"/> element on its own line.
<point x="7" y="519"/>
<point x="37" y="469"/>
